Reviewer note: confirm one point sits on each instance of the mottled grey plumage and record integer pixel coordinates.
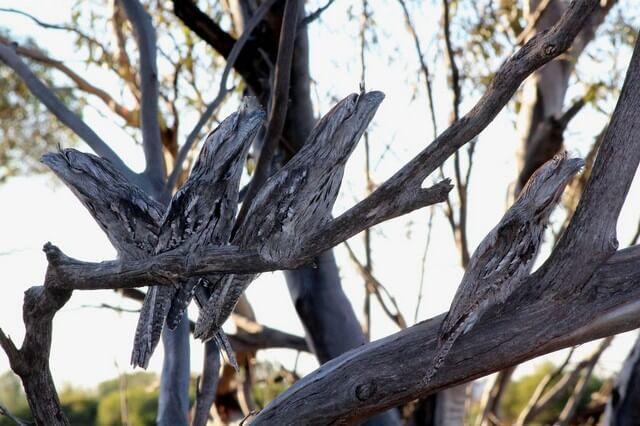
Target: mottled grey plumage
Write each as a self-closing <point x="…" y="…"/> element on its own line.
<point x="506" y="255"/>
<point x="294" y="202"/>
<point x="202" y="212"/>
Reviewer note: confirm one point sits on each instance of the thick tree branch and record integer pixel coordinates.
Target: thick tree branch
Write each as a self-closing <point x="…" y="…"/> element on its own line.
<point x="31" y="361"/>
<point x="389" y="371"/>
<point x="205" y="27"/>
<point x="149" y="89"/>
<point x="583" y="297"/>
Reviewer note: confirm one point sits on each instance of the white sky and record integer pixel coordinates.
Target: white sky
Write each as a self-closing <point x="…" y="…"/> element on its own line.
<point x="89" y="343"/>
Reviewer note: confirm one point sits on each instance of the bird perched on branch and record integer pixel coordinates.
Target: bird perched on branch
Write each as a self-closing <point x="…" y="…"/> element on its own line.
<point x="294" y="202"/>
<point x="201" y="213"/>
<point x="506" y="255"/>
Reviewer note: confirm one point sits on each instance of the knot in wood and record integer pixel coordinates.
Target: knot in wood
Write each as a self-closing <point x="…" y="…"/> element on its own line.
<point x="549" y="49"/>
<point x="365" y="391"/>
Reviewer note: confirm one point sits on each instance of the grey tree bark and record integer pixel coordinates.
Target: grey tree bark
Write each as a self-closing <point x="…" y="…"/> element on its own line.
<point x="623" y="408"/>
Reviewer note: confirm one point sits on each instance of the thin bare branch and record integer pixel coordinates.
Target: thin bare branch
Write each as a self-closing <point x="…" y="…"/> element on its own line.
<point x="423" y="65"/>
<point x="529" y="412"/>
<point x="532" y="21"/>
<point x="375" y="287"/>
<point x="423" y="262"/>
<point x="569" y="410"/>
<point x="314" y="15"/>
<point x="16" y="420"/>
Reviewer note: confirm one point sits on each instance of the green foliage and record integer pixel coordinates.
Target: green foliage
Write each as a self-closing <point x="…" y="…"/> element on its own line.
<point x="272" y="380"/>
<point x="101" y="405"/>
<point x="12" y="397"/>
<point x="142" y="407"/>
<point x="519" y="392"/>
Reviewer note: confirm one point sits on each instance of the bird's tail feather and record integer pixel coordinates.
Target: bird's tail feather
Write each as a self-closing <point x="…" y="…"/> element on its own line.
<point x="225" y="348"/>
<point x="444" y="347"/>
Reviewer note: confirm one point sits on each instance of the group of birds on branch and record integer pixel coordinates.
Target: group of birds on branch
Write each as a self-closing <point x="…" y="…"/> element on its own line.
<point x="290" y="206"/>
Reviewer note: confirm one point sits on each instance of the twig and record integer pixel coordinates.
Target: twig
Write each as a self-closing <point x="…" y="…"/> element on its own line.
<point x="532" y="21"/>
<point x="529" y="412"/>
<point x="423" y="65"/>
<point x="374" y="286"/>
<point x="82" y="35"/>
<point x="222" y="91"/>
<point x="460" y="228"/>
<point x="7" y="413"/>
<point x="111" y="307"/>
<point x="364" y="24"/>
<point x="423" y="265"/>
<point x="569" y="410"/>
<point x="314" y="15"/>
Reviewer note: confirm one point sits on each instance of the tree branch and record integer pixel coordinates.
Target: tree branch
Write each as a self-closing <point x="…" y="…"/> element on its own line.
<point x="149" y="113"/>
<point x="400" y="194"/>
<point x="129" y="116"/>
<point x="389" y="371"/>
<point x="9" y="56"/>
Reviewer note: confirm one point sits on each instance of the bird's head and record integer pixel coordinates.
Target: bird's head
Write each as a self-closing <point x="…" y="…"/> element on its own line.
<point x="229" y="143"/>
<point x="545" y="186"/>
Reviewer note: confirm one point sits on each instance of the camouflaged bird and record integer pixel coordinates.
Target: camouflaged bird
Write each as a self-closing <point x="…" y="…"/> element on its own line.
<point x="294" y="202"/>
<point x="201" y="213"/>
<point x="506" y="255"/>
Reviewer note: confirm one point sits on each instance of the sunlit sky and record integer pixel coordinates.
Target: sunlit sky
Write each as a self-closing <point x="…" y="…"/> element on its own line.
<point x="92" y="344"/>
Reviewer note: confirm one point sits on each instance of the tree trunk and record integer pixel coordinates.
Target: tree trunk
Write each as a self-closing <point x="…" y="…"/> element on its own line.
<point x="173" y="404"/>
<point x="623" y="408"/>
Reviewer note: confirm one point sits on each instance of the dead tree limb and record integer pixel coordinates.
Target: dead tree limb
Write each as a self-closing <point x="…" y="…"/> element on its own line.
<point x="389" y="371"/>
<point x="31" y="361"/>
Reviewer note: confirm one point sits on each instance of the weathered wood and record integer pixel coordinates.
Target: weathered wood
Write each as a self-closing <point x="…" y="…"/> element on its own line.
<point x="390" y="371"/>
<point x="207" y="384"/>
<point x="31" y="361"/>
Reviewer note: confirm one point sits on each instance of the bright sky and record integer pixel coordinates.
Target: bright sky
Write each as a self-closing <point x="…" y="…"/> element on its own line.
<point x="90" y="345"/>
